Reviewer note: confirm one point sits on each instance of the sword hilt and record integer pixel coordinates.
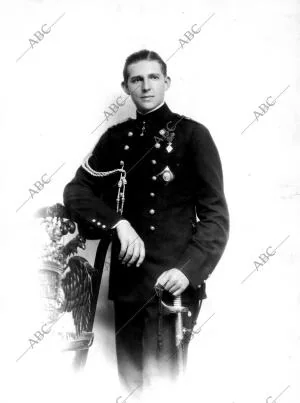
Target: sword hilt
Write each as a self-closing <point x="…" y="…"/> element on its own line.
<point x="177" y="309"/>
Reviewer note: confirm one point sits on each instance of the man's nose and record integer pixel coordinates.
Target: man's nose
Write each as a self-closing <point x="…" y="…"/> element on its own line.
<point x="146" y="85"/>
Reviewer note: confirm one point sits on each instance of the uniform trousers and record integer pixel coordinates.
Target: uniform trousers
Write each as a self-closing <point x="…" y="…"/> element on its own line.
<point x="143" y="362"/>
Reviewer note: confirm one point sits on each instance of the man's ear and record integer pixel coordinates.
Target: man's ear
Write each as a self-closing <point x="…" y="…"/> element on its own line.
<point x="167" y="83"/>
<point x="125" y="87"/>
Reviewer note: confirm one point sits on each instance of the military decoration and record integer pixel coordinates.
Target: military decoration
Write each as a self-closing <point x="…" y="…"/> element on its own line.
<point x="167" y="135"/>
<point x="166" y="175"/>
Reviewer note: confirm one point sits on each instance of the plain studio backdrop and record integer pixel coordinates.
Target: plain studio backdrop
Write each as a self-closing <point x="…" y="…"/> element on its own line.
<point x="53" y="98"/>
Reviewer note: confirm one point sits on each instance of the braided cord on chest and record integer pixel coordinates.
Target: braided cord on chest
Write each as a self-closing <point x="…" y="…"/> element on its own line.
<point x="121" y="183"/>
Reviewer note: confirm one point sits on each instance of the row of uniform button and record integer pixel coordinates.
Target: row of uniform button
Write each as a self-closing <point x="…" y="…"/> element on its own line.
<point x="126" y="147"/>
<point x="98" y="223"/>
<point x="153" y="162"/>
<point x="156" y="145"/>
<point x="152" y="194"/>
<point x="103" y="226"/>
<point x="130" y="134"/>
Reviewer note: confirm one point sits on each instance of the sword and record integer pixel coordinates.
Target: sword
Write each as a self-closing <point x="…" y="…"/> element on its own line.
<point x="178" y="310"/>
<point x="179" y="332"/>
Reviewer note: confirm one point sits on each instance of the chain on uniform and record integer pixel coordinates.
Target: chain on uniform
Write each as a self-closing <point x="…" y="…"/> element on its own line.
<point x="121" y="183"/>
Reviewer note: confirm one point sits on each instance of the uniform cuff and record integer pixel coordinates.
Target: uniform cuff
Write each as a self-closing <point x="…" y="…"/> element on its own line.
<point x="119" y="222"/>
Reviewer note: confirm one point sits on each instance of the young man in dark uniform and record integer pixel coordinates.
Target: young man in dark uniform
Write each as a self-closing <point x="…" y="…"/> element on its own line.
<point x="171" y="223"/>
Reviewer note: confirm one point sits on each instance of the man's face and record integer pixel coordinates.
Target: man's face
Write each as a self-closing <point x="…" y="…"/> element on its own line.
<point x="146" y="84"/>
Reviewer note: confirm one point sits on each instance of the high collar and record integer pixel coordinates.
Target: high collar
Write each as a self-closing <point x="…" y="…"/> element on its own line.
<point x="161" y="114"/>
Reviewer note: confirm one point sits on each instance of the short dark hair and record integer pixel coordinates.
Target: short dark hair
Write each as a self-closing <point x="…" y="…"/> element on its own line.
<point x="143" y="55"/>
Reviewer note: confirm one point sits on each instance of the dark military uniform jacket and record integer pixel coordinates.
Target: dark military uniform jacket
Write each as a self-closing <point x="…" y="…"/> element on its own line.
<point x="174" y="200"/>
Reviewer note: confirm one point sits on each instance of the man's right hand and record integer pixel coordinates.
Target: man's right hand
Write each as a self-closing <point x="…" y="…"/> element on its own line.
<point x="132" y="247"/>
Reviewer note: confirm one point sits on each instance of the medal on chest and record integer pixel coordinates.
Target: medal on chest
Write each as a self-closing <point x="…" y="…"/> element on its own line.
<point x="166" y="175"/>
<point x="167" y="135"/>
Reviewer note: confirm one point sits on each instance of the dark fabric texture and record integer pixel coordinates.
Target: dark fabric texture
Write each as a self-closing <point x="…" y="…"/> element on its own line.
<point x="140" y="363"/>
<point x="184" y="223"/>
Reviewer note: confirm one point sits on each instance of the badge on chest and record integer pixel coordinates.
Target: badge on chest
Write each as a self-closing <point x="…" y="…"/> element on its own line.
<point x="166" y="136"/>
<point x="166" y="175"/>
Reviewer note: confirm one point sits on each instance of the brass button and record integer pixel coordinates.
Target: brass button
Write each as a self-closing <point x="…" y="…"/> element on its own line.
<point x="157" y="145"/>
<point x="152" y="227"/>
<point x="152" y="194"/>
<point x="93" y="220"/>
<point x="98" y="223"/>
<point x="103" y="226"/>
<point x="153" y="162"/>
<point x="130" y="134"/>
<point x="154" y="178"/>
<point x="126" y="147"/>
<point x="152" y="211"/>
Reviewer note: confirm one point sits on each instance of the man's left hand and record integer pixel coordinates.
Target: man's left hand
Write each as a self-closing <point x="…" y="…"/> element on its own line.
<point x="174" y="281"/>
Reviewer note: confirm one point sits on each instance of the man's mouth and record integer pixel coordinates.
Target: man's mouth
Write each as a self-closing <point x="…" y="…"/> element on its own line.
<point x="147" y="96"/>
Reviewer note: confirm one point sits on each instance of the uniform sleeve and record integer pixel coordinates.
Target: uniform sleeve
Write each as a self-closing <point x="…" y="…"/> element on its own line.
<point x="83" y="195"/>
<point x="209" y="240"/>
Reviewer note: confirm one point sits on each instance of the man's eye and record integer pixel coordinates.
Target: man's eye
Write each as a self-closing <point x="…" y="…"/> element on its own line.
<point x="134" y="80"/>
<point x="155" y="77"/>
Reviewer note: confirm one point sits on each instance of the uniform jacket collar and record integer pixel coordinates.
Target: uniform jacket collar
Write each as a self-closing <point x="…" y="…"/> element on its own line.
<point x="161" y="114"/>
